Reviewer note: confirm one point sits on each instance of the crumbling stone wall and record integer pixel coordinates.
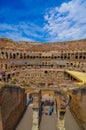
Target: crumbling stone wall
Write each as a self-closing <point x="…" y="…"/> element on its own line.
<point x="70" y="54"/>
<point x="41" y="78"/>
<point x="12" y="104"/>
<point x="15" y="57"/>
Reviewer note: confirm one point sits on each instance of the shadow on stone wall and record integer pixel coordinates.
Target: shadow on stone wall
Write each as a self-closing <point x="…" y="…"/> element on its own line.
<point x="78" y="106"/>
<point x="12" y="105"/>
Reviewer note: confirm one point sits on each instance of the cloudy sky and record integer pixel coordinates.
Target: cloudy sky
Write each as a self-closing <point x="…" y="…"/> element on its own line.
<point x="43" y="20"/>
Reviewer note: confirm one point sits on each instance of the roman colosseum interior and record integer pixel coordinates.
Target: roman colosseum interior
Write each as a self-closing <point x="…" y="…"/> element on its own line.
<point x="44" y="67"/>
<point x="28" y="63"/>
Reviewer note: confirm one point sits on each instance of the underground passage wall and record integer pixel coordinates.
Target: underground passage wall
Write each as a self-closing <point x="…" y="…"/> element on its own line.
<point x="78" y="106"/>
<point x="12" y="105"/>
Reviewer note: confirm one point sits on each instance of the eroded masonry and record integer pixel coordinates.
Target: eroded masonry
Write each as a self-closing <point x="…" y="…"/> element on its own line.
<point x="18" y="57"/>
<point x="52" y="76"/>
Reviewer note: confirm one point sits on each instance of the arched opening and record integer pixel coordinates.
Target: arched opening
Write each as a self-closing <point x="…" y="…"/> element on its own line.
<point x="14" y="56"/>
<point x="2" y="52"/>
<point x="76" y="57"/>
<point x="80" y="57"/>
<point x="8" y="77"/>
<point x="27" y="56"/>
<point x="5" y="66"/>
<point x="21" y="56"/>
<point x="10" y="55"/>
<point x="83" y="57"/>
<point x="46" y="72"/>
<point x="17" y="53"/>
<point x="71" y="64"/>
<point x="68" y="57"/>
<point x="6" y="55"/>
<point x="62" y="56"/>
<point x="24" y="55"/>
<point x="65" y="57"/>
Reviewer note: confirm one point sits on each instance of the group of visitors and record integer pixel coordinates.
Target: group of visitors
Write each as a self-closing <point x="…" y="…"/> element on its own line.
<point x="46" y="107"/>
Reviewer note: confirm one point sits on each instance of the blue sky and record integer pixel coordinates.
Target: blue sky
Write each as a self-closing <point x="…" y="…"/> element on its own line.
<point x="43" y="20"/>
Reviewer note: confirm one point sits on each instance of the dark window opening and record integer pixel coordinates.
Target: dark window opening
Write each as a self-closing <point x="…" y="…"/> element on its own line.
<point x="61" y="57"/>
<point x="80" y="57"/>
<point x="24" y="55"/>
<point x="14" y="56"/>
<point x="5" y="66"/>
<point x="68" y="57"/>
<point x="27" y="56"/>
<point x="17" y="53"/>
<point x="83" y="57"/>
<point x="71" y="64"/>
<point x="52" y="66"/>
<point x="46" y="72"/>
<point x="2" y="52"/>
<point x="10" y="56"/>
<point x="65" y="57"/>
<point x="6" y="55"/>
<point x="76" y="57"/>
<point x="21" y="55"/>
<point x="55" y="57"/>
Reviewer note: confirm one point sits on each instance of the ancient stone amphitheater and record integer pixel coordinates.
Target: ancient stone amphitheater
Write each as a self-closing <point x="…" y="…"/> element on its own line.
<point x="39" y="64"/>
<point x="29" y="67"/>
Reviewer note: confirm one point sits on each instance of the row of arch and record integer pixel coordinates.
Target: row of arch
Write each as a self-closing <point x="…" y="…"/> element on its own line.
<point x="6" y="66"/>
<point x="9" y="55"/>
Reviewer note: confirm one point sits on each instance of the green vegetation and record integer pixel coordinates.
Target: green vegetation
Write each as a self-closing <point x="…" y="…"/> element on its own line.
<point x="63" y="92"/>
<point x="14" y="81"/>
<point x="3" y="85"/>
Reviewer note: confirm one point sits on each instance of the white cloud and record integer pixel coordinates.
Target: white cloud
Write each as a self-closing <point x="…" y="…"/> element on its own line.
<point x="22" y="31"/>
<point x="66" y="22"/>
<point x="4" y="26"/>
<point x="31" y="29"/>
<point x="15" y="36"/>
